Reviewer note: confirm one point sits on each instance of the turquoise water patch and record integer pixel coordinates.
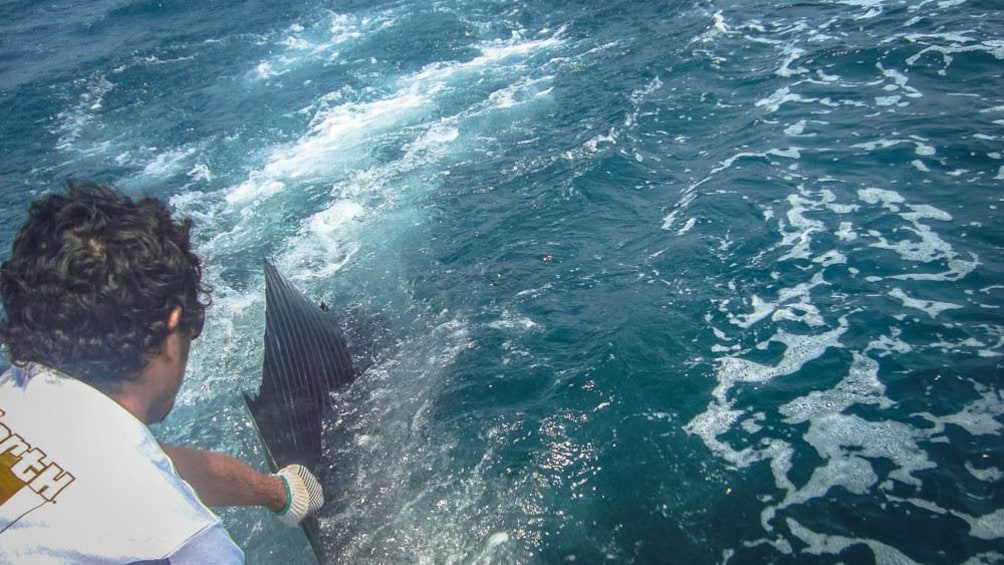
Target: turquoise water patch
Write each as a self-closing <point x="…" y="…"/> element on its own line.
<point x="684" y="282"/>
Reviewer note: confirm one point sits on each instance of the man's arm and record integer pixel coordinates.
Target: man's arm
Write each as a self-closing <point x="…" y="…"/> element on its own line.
<point x="221" y="480"/>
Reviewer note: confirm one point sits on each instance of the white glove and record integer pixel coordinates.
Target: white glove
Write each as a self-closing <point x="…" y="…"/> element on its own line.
<point x="303" y="494"/>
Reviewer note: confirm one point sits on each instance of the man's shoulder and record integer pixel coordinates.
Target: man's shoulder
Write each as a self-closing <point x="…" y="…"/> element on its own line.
<point x="66" y="442"/>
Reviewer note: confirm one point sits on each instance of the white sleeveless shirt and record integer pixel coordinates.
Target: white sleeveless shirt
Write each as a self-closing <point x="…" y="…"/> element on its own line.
<point x="83" y="481"/>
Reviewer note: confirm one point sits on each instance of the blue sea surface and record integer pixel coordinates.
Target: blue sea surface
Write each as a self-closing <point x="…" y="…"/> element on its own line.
<point x="699" y="281"/>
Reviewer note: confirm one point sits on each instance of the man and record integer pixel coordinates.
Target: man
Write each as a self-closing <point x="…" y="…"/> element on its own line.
<point x="103" y="297"/>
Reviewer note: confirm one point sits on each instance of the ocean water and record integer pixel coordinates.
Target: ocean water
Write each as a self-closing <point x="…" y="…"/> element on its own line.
<point x="700" y="281"/>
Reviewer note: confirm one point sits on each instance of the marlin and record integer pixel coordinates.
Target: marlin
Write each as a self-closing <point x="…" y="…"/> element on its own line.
<point x="306" y="359"/>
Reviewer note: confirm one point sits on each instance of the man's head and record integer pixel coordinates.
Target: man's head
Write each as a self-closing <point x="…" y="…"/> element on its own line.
<point x="92" y="281"/>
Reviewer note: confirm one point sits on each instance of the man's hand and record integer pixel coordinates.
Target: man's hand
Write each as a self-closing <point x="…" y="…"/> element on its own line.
<point x="220" y="480"/>
<point x="303" y="494"/>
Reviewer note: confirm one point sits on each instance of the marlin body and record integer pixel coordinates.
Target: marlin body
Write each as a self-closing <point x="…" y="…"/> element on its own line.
<point x="306" y="358"/>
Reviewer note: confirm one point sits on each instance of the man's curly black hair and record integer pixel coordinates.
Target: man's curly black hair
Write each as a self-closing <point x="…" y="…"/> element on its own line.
<point x="91" y="281"/>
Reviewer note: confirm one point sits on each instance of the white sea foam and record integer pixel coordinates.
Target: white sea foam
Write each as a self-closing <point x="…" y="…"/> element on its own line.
<point x="989" y="526"/>
<point x="860" y="386"/>
<point x="846" y="232"/>
<point x="930" y="307"/>
<point x="255" y="188"/>
<point x="687" y="227"/>
<point x="719" y="22"/>
<point x="670" y="219"/>
<point x="920" y="147"/>
<point x="792" y="54"/>
<point x="837" y="436"/>
<point x="889" y="344"/>
<point x="987" y="475"/>
<point x="200" y="172"/>
<point x="74" y="121"/>
<point x="689" y="194"/>
<point x="896" y="251"/>
<point x="889" y="101"/>
<point x="986" y="558"/>
<point x="593" y="144"/>
<point x="832" y="257"/>
<point x="899" y="82"/>
<point x="534" y="292"/>
<point x="799" y="236"/>
<point x="168" y="162"/>
<point x="510" y="321"/>
<point x="761" y="309"/>
<point x="326" y="234"/>
<point x="318" y="42"/>
<point x="732" y="370"/>
<point x="823" y="544"/>
<point x="889" y="198"/>
<point x="927" y="247"/>
<point x="336" y="151"/>
<point x="847" y="443"/>
<point x="854" y="474"/>
<point x="798" y="128"/>
<point x="781" y="97"/>
<point x="522" y="91"/>
<point x="718" y="28"/>
<point x="498" y="538"/>
<point x="327" y="221"/>
<point x="797" y="298"/>
<point x="963" y="44"/>
<point x="338" y="136"/>
<point x="979" y="417"/>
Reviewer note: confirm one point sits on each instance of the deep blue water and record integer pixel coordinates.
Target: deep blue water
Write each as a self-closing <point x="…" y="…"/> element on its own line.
<point x="684" y="282"/>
